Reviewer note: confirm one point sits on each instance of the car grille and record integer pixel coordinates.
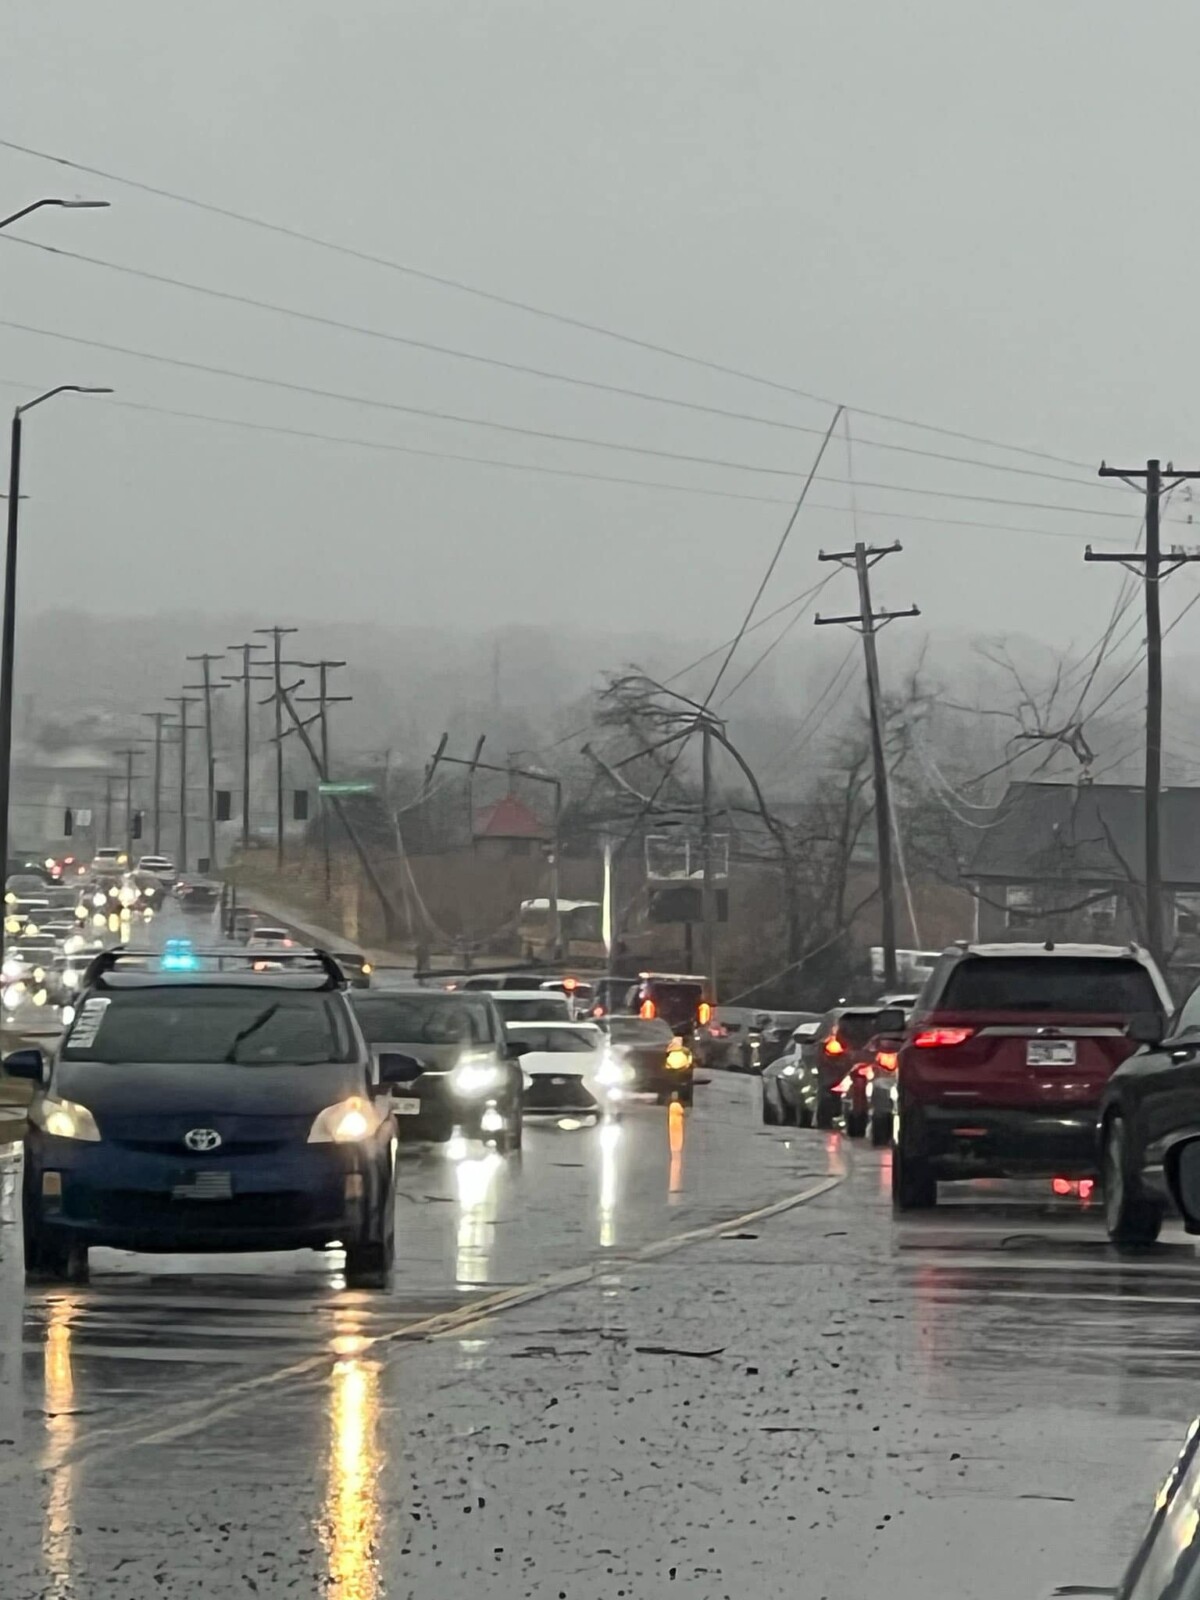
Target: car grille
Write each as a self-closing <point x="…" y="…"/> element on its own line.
<point x="134" y="1209"/>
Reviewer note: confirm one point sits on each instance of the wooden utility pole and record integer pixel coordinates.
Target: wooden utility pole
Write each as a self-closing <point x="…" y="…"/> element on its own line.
<point x="183" y="701"/>
<point x="158" y="718"/>
<point x="207" y="688"/>
<point x="708" y="892"/>
<point x="868" y="622"/>
<point x="128" y="757"/>
<point x="245" y="677"/>
<point x="323" y="700"/>
<point x="277" y="634"/>
<point x="1153" y="567"/>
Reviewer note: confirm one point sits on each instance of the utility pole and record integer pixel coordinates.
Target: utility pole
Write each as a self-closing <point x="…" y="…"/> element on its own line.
<point x="128" y="756"/>
<point x="245" y="678"/>
<point x="1153" y="567"/>
<point x="183" y="701"/>
<point x="277" y="634"/>
<point x="708" y="897"/>
<point x="158" y="718"/>
<point x="323" y="700"/>
<point x="109" y="779"/>
<point x="867" y="622"/>
<point x="206" y="687"/>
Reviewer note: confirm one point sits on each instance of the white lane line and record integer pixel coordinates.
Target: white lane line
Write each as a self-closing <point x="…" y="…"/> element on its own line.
<point x="201" y="1414"/>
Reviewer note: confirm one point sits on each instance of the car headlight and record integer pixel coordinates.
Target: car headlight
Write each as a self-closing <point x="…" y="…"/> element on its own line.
<point x="70" y="977"/>
<point x="679" y="1057"/>
<point x="13" y="968"/>
<point x="349" y="1122"/>
<point x="613" y="1072"/>
<point x="99" y="899"/>
<point x="471" y="1078"/>
<point x="12" y="996"/>
<point x="787" y="1072"/>
<point x="63" y="1119"/>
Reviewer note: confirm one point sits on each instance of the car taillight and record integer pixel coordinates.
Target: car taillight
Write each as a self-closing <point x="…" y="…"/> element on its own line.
<point x="885" y="1060"/>
<point x="834" y="1046"/>
<point x="646" y="1011"/>
<point x="843" y="1087"/>
<point x="863" y="1069"/>
<point x="937" y="1038"/>
<point x="704" y="1013"/>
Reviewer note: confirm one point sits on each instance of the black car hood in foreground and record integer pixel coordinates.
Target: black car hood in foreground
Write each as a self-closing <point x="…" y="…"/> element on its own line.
<point x="151" y="1090"/>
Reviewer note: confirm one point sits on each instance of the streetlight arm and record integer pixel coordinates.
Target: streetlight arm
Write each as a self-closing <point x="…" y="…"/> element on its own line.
<point x="67" y="205"/>
<point x="62" y="388"/>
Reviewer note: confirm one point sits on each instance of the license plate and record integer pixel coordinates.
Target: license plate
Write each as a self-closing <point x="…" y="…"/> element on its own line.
<point x="406" y="1108"/>
<point x="1050" y="1053"/>
<point x="205" y="1185"/>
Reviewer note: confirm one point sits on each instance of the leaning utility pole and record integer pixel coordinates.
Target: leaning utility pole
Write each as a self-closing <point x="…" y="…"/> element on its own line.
<point x="323" y="700"/>
<point x="277" y="634"/>
<point x="158" y="718"/>
<point x="245" y="677"/>
<point x="207" y="687"/>
<point x="708" y="893"/>
<point x="1154" y="567"/>
<point x="183" y="701"/>
<point x="867" y="622"/>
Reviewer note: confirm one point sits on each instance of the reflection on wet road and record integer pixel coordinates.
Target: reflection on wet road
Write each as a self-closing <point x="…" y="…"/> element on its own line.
<point x="977" y="1402"/>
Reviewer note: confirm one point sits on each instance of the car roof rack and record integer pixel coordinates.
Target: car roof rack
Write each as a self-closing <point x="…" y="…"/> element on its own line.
<point x="239" y="964"/>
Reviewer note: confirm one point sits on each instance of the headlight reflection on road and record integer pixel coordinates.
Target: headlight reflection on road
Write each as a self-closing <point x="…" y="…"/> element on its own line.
<point x="675" y="1131"/>
<point x="475" y="1179"/>
<point x="59" y="1387"/>
<point x="350" y="1531"/>
<point x="610" y="1143"/>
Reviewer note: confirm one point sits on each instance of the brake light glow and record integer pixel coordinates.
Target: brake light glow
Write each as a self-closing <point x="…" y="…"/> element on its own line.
<point x="886" y="1060"/>
<point x="843" y="1087"/>
<point x="704" y="1013"/>
<point x="938" y="1038"/>
<point x="1061" y="1185"/>
<point x="834" y="1046"/>
<point x="647" y="1011"/>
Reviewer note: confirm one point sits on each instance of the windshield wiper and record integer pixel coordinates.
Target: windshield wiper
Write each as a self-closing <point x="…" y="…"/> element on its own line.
<point x="251" y="1027"/>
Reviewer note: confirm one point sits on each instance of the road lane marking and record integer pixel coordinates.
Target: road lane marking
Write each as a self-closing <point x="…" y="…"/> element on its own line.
<point x="201" y="1414"/>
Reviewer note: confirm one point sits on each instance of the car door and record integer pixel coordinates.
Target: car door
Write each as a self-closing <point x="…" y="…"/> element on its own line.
<point x="1164" y="1085"/>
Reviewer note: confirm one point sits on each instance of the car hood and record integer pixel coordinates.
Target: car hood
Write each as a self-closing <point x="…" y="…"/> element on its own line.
<point x="154" y="1090"/>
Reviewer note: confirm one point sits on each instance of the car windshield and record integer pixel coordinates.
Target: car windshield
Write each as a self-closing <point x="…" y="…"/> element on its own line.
<point x="1103" y="985"/>
<point x="548" y="1008"/>
<point x="561" y="1041"/>
<point x="636" y="1030"/>
<point x="856" y="1027"/>
<point x="247" y="1026"/>
<point x="423" y="1019"/>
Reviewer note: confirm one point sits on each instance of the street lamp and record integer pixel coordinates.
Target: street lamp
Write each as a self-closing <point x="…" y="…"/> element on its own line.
<point x="8" y="626"/>
<point x="65" y="205"/>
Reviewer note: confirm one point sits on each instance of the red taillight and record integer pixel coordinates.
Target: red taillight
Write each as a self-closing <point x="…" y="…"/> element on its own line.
<point x="862" y="1069"/>
<point x="570" y="985"/>
<point x="1087" y="1187"/>
<point x="843" y="1087"/>
<point x="937" y="1038"/>
<point x="886" y="1060"/>
<point x="646" y="1011"/>
<point x="834" y="1046"/>
<point x="704" y="1013"/>
<point x="1061" y="1185"/>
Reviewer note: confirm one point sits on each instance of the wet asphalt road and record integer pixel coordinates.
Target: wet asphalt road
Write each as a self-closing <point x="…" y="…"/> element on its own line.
<point x="978" y="1403"/>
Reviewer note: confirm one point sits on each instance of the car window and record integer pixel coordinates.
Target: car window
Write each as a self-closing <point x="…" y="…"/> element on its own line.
<point x="856" y="1027"/>
<point x="1089" y="984"/>
<point x="243" y="1026"/>
<point x="551" y="1009"/>
<point x="635" y="1030"/>
<point x="423" y="1019"/>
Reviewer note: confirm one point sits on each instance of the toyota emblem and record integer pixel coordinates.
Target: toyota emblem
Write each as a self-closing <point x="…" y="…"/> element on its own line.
<point x="202" y="1139"/>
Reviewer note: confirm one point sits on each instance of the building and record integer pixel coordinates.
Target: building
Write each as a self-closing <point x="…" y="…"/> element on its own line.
<point x="1067" y="861"/>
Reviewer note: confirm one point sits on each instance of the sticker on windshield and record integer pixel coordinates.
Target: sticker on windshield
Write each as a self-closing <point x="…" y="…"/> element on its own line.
<point x="87" y="1024"/>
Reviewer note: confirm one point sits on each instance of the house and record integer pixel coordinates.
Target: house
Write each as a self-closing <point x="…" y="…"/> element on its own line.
<point x="1067" y="861"/>
<point x="508" y="828"/>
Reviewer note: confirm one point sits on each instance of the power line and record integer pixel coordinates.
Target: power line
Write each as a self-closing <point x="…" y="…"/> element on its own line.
<point x="532" y="433"/>
<point x="547" y="374"/>
<point x="462" y="287"/>
<point x="775" y="642"/>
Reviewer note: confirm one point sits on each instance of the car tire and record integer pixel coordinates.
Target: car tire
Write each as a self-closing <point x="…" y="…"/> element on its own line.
<point x="369" y="1263"/>
<point x="684" y="1096"/>
<point x="772" y="1115"/>
<point x="914" y="1187"/>
<point x="56" y="1260"/>
<point x="1132" y="1219"/>
<point x="881" y="1131"/>
<point x="827" y="1110"/>
<point x="804" y="1115"/>
<point x="855" y="1124"/>
<point x="788" y="1115"/>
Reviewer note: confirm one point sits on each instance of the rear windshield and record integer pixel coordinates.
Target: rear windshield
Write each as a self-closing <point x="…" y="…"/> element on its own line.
<point x="423" y="1019"/>
<point x="1050" y="983"/>
<point x="675" y="1001"/>
<point x="552" y="1009"/>
<point x="856" y="1027"/>
<point x="560" y="1041"/>
<point x="635" y="1030"/>
<point x="246" y="1027"/>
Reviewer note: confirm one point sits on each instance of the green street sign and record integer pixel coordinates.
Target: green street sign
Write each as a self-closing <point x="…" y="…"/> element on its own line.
<point x="346" y="788"/>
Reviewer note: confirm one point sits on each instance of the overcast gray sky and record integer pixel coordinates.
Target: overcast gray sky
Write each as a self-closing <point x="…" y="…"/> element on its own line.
<point x="971" y="215"/>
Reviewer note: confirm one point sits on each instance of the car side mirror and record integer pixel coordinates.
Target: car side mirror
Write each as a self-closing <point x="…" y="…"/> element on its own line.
<point x="892" y="1021"/>
<point x="1146" y="1027"/>
<point x="395" y="1068"/>
<point x="27" y="1064"/>
<point x="518" y="1048"/>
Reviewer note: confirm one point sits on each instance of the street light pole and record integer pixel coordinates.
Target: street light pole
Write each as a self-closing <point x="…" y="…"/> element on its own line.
<point x="8" y="627"/>
<point x="65" y="205"/>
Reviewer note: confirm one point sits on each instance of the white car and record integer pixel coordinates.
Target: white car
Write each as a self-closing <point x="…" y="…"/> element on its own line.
<point x="531" y="1005"/>
<point x="569" y="1069"/>
<point x="160" y="867"/>
<point x="263" y="938"/>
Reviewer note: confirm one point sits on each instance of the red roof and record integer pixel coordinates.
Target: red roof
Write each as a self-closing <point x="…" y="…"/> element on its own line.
<point x="509" y="818"/>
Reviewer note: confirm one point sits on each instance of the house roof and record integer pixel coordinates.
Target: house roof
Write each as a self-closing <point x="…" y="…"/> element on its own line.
<point x="508" y="818"/>
<point x="1088" y="832"/>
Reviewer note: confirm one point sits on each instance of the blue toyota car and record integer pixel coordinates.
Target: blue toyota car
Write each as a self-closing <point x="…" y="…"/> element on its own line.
<point x="195" y="1104"/>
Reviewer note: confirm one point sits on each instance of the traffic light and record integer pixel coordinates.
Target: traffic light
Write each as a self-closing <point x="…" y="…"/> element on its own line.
<point x="300" y="805"/>
<point x="135" y="825"/>
<point x="68" y="823"/>
<point x="224" y="805"/>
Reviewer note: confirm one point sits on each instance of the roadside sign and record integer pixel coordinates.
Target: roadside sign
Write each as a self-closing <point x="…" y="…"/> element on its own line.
<point x="346" y="788"/>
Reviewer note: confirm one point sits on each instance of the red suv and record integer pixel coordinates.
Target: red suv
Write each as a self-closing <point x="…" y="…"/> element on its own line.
<point x="1005" y="1057"/>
